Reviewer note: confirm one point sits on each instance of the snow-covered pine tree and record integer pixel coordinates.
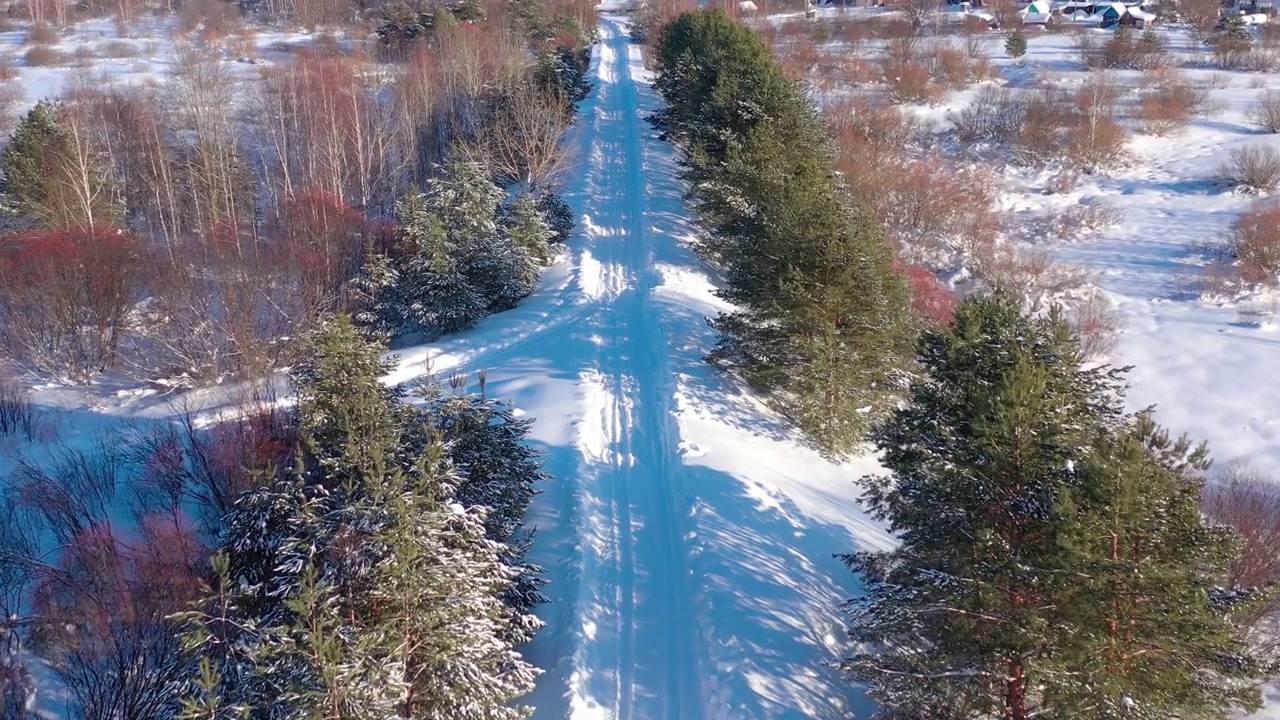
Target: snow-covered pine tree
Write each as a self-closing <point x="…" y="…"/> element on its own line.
<point x="459" y="256"/>
<point x="486" y="443"/>
<point x="468" y="205"/>
<point x="559" y="217"/>
<point x="526" y="227"/>
<point x="466" y="202"/>
<point x="501" y="271"/>
<point x="560" y="74"/>
<point x="359" y="587"/>
<point x="428" y="293"/>
<point x="1053" y="562"/>
<point x="451" y="634"/>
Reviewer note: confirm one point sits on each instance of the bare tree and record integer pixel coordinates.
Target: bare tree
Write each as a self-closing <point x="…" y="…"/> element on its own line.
<point x="519" y="139"/>
<point x="1249" y="502"/>
<point x="919" y="11"/>
<point x="103" y="618"/>
<point x="215" y="177"/>
<point x="1199" y="15"/>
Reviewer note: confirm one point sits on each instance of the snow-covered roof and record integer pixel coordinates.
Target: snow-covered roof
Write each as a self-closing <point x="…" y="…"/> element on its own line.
<point x="1083" y="18"/>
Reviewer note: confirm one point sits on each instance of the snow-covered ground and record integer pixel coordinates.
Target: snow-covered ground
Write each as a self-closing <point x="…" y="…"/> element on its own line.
<point x="688" y="537"/>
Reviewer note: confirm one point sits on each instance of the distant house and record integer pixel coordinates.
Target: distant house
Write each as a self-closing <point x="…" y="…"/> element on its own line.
<point x="1077" y="8"/>
<point x="747" y="7"/>
<point x="1136" y="18"/>
<point x="1117" y="13"/>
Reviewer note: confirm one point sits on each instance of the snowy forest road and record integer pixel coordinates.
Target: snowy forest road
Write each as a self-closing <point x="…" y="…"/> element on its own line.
<point x="687" y="533"/>
<point x="637" y="663"/>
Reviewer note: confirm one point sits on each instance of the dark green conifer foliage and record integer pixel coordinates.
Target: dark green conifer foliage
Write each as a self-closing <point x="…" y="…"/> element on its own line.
<point x="1053" y="561"/>
<point x="823" y="329"/>
<point x="41" y="178"/>
<point x="359" y="586"/>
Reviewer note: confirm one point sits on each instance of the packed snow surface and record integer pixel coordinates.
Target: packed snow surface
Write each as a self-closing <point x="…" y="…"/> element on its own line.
<point x="688" y="536"/>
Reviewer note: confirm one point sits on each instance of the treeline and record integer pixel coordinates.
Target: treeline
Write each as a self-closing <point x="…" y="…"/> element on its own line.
<point x="358" y="556"/>
<point x="824" y="325"/>
<point x="184" y="233"/>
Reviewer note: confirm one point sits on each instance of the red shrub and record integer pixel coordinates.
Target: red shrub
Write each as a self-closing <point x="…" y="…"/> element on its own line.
<point x="321" y="236"/>
<point x="931" y="301"/>
<point x="1255" y="242"/>
<point x="66" y="298"/>
<point x="104" y="609"/>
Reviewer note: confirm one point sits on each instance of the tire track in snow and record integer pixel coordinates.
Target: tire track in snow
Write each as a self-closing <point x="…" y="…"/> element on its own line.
<point x="638" y="658"/>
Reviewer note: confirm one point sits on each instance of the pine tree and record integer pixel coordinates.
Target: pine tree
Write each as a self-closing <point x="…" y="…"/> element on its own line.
<point x="559" y="74"/>
<point x="824" y="324"/>
<point x="1053" y="560"/>
<point x="460" y="257"/>
<point x="486" y="443"/>
<point x="424" y="290"/>
<point x="527" y="228"/>
<point x="357" y="586"/>
<point x="40" y="164"/>
<point x="823" y="327"/>
<point x="1015" y="45"/>
<point x="559" y="217"/>
<point x="465" y="201"/>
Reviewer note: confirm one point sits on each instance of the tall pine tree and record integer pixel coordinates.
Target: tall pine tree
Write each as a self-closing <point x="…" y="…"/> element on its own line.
<point x="1053" y="560"/>
<point x="358" y="586"/>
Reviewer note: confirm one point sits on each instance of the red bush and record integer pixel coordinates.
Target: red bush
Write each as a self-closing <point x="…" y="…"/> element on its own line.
<point x="104" y="610"/>
<point x="66" y="298"/>
<point x="931" y="301"/>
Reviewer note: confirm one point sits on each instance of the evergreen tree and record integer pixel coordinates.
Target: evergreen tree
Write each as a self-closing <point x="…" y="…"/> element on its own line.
<point x="1053" y="560"/>
<point x="824" y="324"/>
<point x="559" y="217"/>
<point x="460" y="257"/>
<point x="1015" y="45"/>
<point x="425" y="291"/>
<point x="720" y="81"/>
<point x="560" y="74"/>
<point x="41" y="164"/>
<point x="358" y="586"/>
<point x="527" y="228"/>
<point x="823" y="327"/>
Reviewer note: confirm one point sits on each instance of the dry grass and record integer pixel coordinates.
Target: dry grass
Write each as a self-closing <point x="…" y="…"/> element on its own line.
<point x="118" y="49"/>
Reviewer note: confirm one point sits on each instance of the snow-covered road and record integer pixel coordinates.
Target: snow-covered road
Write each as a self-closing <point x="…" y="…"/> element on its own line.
<point x="687" y="535"/>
